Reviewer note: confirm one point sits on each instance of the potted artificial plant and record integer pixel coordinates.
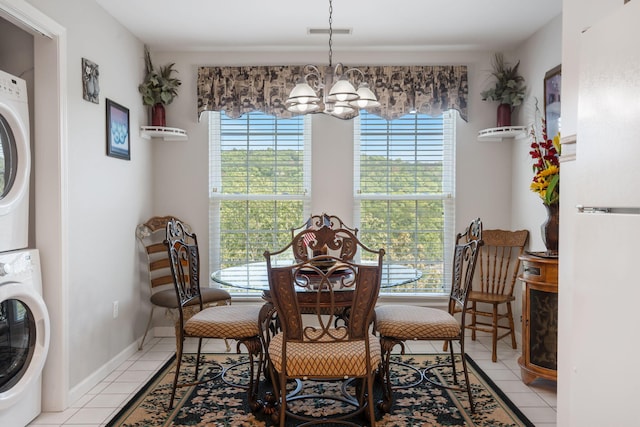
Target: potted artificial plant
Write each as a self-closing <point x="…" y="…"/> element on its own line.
<point x="509" y="89"/>
<point x="158" y="89"/>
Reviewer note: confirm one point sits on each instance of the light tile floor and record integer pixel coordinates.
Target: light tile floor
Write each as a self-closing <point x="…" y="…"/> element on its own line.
<point x="537" y="401"/>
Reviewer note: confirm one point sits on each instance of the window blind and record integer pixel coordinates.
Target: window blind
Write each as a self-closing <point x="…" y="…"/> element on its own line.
<point x="404" y="175"/>
<point x="260" y="177"/>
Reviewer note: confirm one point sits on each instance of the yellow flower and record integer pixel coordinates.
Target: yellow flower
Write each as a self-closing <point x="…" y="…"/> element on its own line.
<point x="539" y="186"/>
<point x="556" y="142"/>
<point x="545" y="153"/>
<point x="549" y="171"/>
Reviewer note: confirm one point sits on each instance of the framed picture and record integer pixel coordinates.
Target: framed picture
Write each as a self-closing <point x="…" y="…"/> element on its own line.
<point x="118" y="141"/>
<point x="90" y="81"/>
<point x="552" y="80"/>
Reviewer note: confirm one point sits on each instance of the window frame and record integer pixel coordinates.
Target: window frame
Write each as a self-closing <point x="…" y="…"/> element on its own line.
<point x="217" y="196"/>
<point x="446" y="196"/>
<point x="354" y="196"/>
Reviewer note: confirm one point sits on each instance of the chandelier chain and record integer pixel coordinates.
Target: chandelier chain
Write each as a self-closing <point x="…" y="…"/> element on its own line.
<point x="332" y="93"/>
<point x="330" y="33"/>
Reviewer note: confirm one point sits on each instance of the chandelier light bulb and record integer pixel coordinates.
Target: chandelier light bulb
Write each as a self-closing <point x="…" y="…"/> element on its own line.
<point x="342" y="91"/>
<point x="367" y="99"/>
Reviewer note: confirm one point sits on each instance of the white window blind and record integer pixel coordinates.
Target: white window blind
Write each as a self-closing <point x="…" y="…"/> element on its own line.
<point x="404" y="177"/>
<point x="260" y="176"/>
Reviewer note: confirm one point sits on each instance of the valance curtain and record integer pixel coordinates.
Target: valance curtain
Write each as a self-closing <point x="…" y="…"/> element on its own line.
<point x="400" y="89"/>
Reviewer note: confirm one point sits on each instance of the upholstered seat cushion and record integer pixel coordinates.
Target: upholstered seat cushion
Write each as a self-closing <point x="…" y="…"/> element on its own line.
<point x="325" y="359"/>
<point x="405" y="322"/>
<point x="225" y="321"/>
<point x="167" y="297"/>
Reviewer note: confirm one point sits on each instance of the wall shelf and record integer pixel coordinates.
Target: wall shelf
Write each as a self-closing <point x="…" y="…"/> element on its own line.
<point x="168" y="134"/>
<point x="502" y="133"/>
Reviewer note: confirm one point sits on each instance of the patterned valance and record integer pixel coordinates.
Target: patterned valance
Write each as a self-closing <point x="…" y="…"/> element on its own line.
<point x="400" y="89"/>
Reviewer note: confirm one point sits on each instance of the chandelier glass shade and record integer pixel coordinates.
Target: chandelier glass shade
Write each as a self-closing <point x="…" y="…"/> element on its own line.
<point x="331" y="92"/>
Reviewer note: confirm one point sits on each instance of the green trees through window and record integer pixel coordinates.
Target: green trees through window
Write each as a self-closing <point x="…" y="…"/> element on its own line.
<point x="403" y="195"/>
<point x="404" y="192"/>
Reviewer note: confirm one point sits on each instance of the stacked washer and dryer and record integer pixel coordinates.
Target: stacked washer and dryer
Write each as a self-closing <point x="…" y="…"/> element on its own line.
<point x="24" y="320"/>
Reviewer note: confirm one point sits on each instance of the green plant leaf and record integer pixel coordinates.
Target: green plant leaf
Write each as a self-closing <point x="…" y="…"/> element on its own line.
<point x="158" y="87"/>
<point x="551" y="194"/>
<point x="509" y="86"/>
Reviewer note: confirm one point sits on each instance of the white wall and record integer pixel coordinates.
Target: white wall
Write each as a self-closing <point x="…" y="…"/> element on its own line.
<point x="537" y="55"/>
<point x="483" y="169"/>
<point x="107" y="197"/>
<point x="492" y="177"/>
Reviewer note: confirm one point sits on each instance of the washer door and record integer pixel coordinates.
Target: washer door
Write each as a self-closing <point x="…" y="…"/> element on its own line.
<point x="24" y="340"/>
<point x="15" y="159"/>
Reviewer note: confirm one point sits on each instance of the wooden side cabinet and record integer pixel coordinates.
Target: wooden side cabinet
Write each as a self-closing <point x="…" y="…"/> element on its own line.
<point x="539" y="318"/>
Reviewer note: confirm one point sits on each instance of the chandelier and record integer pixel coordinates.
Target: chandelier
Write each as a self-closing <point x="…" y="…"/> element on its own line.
<point x="342" y="100"/>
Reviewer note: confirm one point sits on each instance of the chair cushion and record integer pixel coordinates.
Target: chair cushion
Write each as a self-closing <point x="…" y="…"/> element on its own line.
<point x="407" y="322"/>
<point x="167" y="297"/>
<point x="225" y="321"/>
<point x="325" y="359"/>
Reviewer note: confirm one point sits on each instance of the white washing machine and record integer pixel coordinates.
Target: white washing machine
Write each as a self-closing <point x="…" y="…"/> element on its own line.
<point x="24" y="337"/>
<point x="15" y="163"/>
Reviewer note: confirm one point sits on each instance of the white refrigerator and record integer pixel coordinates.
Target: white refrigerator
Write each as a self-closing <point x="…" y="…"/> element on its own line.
<point x="603" y="375"/>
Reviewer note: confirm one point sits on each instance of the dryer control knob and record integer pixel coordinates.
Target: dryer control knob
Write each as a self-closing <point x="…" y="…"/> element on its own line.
<point x="5" y="269"/>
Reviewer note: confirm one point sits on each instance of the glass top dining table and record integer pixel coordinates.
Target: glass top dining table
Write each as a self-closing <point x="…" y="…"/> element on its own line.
<point x="253" y="276"/>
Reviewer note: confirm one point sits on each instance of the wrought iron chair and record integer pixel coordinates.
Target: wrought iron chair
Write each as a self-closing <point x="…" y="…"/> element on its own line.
<point x="472" y="232"/>
<point x="498" y="264"/>
<point x="238" y="322"/>
<point x="399" y="323"/>
<point x="151" y="235"/>
<point x="311" y="347"/>
<point x="316" y="222"/>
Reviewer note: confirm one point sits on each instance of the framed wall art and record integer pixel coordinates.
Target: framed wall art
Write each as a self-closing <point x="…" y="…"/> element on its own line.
<point x="552" y="80"/>
<point x="90" y="81"/>
<point x="118" y="141"/>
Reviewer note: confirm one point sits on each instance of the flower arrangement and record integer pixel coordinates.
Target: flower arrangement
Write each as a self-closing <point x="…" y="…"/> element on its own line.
<point x="545" y="153"/>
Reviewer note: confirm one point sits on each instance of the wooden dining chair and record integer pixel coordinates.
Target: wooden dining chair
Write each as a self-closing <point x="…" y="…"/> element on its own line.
<point x="312" y="347"/>
<point x="159" y="280"/>
<point x="397" y="323"/>
<point x="498" y="267"/>
<point x="238" y="322"/>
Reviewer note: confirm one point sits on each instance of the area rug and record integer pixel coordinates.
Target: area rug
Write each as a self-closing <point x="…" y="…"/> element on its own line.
<point x="215" y="403"/>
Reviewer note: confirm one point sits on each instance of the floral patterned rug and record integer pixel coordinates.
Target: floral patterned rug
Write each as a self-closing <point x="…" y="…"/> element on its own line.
<point x="215" y="403"/>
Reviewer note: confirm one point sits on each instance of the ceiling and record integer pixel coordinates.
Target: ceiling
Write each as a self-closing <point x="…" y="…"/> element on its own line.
<point x="376" y="25"/>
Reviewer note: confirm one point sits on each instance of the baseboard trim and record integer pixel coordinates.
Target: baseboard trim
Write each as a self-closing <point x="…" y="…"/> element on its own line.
<point x="101" y="373"/>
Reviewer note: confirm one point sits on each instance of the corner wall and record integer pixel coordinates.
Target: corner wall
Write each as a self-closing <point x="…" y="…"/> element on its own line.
<point x="103" y="197"/>
<point x="478" y="178"/>
<point x="540" y="53"/>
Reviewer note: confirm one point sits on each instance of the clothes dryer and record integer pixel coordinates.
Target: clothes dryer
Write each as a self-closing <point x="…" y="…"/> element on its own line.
<point x="15" y="163"/>
<point x="24" y="337"/>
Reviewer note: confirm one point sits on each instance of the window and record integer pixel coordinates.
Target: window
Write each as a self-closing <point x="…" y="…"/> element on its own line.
<point x="404" y="193"/>
<point x="259" y="181"/>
